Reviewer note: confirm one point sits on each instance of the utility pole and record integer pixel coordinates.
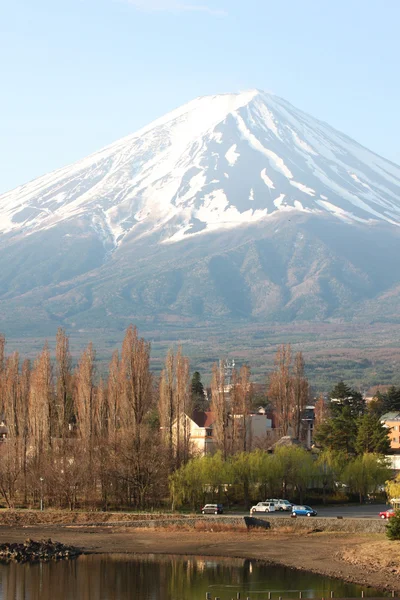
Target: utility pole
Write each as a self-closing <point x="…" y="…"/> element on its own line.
<point x="41" y="493"/>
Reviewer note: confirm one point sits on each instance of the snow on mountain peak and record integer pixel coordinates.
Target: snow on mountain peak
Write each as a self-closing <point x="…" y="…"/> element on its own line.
<point x="216" y="162"/>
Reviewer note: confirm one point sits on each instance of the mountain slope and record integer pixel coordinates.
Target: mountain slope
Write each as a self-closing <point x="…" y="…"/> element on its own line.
<point x="234" y="206"/>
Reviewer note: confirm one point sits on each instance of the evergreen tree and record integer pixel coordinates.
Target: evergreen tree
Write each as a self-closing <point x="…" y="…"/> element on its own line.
<point x="339" y="433"/>
<point x="391" y="400"/>
<point x="372" y="436"/>
<point x="342" y="396"/>
<point x="197" y="392"/>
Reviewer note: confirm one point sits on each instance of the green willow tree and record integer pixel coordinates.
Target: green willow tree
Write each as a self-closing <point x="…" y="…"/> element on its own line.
<point x="366" y="474"/>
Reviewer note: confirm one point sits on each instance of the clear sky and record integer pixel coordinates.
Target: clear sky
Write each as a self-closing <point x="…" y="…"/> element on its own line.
<point x="78" y="74"/>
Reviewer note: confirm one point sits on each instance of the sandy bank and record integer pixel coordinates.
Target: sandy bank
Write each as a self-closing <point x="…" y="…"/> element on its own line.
<point x="325" y="553"/>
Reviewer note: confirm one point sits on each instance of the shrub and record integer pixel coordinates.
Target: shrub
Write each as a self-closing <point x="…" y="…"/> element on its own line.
<point x="393" y="527"/>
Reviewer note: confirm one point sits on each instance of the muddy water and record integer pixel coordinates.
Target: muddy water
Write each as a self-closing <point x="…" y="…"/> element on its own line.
<point x="123" y="577"/>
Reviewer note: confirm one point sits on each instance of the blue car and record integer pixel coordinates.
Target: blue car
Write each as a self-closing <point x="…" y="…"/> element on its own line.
<point x="303" y="511"/>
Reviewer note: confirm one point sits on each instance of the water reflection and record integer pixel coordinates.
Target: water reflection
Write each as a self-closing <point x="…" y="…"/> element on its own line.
<point x="123" y="577"/>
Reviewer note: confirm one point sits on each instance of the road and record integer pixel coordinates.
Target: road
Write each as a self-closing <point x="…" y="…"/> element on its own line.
<point x="363" y="511"/>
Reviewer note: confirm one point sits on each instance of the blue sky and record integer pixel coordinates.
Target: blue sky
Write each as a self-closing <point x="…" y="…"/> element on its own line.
<point x="78" y="74"/>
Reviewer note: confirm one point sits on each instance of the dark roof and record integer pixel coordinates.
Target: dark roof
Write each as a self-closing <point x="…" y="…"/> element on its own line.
<point x="202" y="418"/>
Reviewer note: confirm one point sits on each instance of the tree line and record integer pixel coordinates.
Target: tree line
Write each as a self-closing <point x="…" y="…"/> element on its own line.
<point x="347" y="425"/>
<point x="288" y="472"/>
<point x="347" y="457"/>
<point x="78" y="437"/>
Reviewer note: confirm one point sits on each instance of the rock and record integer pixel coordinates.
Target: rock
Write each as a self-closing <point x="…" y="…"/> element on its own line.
<point x="31" y="551"/>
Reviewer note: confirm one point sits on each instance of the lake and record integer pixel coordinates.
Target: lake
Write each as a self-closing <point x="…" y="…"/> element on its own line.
<point x="150" y="577"/>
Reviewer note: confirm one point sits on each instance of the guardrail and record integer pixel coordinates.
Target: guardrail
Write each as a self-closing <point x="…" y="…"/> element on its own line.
<point x="270" y="597"/>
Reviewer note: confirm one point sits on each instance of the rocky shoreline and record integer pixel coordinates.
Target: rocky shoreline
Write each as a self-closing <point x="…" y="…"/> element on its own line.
<point x="41" y="551"/>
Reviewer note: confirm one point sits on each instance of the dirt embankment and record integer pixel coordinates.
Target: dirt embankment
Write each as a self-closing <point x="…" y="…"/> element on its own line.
<point x="327" y="553"/>
<point x="189" y="521"/>
<point x="63" y="517"/>
<point x="379" y="556"/>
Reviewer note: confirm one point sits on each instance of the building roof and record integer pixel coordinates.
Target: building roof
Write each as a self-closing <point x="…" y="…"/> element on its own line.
<point x="391" y="416"/>
<point x="203" y="418"/>
<point x="286" y="440"/>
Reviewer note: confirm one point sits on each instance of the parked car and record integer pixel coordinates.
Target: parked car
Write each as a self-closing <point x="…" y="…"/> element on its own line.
<point x="387" y="514"/>
<point x="263" y="507"/>
<point x="306" y="511"/>
<point x="280" y="504"/>
<point x="212" y="509"/>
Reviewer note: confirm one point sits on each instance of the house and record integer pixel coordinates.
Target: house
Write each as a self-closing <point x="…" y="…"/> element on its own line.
<point x="200" y="430"/>
<point x="391" y="420"/>
<point x="393" y="461"/>
<point x="200" y="427"/>
<point x="258" y="426"/>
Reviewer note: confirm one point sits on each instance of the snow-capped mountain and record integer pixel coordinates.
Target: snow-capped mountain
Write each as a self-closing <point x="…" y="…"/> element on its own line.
<point x="173" y="218"/>
<point x="217" y="162"/>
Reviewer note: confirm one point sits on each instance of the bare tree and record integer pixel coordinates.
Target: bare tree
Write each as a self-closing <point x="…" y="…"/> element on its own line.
<point x="41" y="403"/>
<point x="114" y="397"/>
<point x="84" y="398"/>
<point x="300" y="391"/>
<point x="241" y="398"/>
<point x="136" y="382"/>
<point x="64" y="406"/>
<point x="219" y="406"/>
<point x="11" y="395"/>
<point x="136" y="379"/>
<point x="321" y="411"/>
<point x="23" y="419"/>
<point x="166" y="405"/>
<point x="2" y="365"/>
<point x="183" y="407"/>
<point x="280" y="388"/>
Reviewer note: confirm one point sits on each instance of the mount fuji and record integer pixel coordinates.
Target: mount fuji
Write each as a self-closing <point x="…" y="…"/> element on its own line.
<point x="234" y="206"/>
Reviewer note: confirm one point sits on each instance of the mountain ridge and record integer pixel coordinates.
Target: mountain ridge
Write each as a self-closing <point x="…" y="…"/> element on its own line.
<point x="234" y="206"/>
<point x="165" y="142"/>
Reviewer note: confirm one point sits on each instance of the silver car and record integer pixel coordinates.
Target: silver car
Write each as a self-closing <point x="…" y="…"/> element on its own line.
<point x="281" y="504"/>
<point x="264" y="507"/>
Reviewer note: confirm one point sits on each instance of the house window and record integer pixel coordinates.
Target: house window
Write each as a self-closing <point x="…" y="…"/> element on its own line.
<point x="209" y="433"/>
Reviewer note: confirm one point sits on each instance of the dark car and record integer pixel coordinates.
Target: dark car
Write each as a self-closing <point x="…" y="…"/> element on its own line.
<point x="212" y="509"/>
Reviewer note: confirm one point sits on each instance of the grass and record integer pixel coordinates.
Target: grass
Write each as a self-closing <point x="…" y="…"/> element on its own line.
<point x="376" y="554"/>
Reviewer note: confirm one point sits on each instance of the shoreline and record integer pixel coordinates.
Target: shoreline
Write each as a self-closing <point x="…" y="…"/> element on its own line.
<point x="315" y="552"/>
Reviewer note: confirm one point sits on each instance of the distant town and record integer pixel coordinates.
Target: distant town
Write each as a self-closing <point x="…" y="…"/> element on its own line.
<point x="76" y="438"/>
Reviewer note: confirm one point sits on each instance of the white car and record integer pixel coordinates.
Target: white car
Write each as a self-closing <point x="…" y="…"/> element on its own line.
<point x="263" y="507"/>
<point x="281" y="504"/>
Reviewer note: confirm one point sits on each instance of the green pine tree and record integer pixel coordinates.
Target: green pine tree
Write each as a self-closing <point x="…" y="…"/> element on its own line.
<point x="197" y="390"/>
<point x="338" y="434"/>
<point x="391" y="400"/>
<point x="372" y="436"/>
<point x="343" y="396"/>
